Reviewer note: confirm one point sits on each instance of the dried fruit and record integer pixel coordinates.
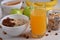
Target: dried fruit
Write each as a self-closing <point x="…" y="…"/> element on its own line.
<point x="7" y="22"/>
<point x="46" y="34"/>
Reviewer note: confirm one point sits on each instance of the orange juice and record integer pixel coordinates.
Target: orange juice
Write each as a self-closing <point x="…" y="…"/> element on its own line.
<point x="38" y="21"/>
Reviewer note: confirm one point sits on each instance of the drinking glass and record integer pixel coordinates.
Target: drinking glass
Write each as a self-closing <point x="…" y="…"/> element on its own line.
<point x="38" y="21"/>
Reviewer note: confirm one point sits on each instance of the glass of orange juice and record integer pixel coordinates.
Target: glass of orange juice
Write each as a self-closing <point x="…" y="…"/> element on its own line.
<point x="38" y="22"/>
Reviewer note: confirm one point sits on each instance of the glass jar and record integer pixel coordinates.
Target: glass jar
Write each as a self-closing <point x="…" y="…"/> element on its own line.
<point x="54" y="19"/>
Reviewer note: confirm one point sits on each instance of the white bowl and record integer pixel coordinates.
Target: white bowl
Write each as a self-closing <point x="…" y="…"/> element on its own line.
<point x="15" y="31"/>
<point x="7" y="9"/>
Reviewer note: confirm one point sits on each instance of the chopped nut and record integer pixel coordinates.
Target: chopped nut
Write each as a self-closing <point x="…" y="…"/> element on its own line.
<point x="49" y="31"/>
<point x="56" y="33"/>
<point x="27" y="37"/>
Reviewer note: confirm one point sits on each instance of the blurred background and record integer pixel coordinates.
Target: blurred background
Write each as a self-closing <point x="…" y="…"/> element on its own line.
<point x="57" y="6"/>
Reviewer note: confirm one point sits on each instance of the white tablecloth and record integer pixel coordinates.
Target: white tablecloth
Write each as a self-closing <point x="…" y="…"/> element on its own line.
<point x="50" y="37"/>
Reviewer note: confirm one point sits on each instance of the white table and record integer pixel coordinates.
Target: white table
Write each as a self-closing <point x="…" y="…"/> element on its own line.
<point x="50" y="37"/>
